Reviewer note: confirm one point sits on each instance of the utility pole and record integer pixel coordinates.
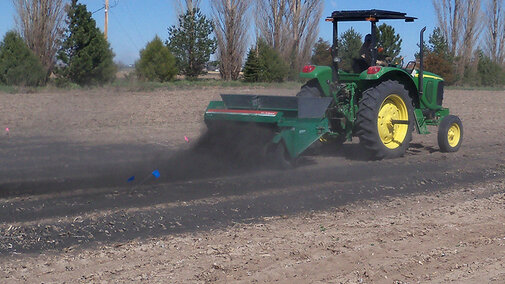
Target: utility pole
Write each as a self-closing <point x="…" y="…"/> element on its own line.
<point x="106" y="18"/>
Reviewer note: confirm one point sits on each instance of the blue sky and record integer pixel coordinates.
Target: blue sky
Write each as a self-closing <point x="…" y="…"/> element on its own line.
<point x="132" y="23"/>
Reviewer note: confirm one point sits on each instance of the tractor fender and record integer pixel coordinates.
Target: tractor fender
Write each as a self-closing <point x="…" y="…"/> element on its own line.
<point x="395" y="74"/>
<point x="323" y="75"/>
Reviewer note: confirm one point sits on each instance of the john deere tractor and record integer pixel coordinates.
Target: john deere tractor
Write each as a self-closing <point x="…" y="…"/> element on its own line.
<point x="381" y="105"/>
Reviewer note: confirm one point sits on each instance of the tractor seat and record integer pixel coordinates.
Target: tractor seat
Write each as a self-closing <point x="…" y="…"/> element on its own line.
<point x="359" y="65"/>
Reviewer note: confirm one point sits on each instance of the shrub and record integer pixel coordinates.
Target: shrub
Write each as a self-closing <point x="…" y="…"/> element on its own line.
<point x="18" y="64"/>
<point x="268" y="66"/>
<point x="156" y="62"/>
<point x="470" y="77"/>
<point x="439" y="64"/>
<point x="490" y="73"/>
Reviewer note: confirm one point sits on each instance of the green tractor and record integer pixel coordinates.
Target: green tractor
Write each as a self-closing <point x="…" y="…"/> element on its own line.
<point x="380" y="104"/>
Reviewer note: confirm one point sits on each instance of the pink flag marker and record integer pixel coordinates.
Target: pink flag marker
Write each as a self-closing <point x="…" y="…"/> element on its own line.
<point x="186" y="139"/>
<point x="7" y="129"/>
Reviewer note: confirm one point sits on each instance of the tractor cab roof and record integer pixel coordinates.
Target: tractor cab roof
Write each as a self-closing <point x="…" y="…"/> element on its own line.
<point x="369" y="15"/>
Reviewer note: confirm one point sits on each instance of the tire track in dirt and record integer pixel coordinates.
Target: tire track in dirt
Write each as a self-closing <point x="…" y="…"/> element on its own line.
<point x="118" y="214"/>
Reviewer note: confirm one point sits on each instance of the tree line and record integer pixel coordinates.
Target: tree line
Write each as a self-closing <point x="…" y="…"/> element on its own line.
<point x="55" y="39"/>
<point x="59" y="40"/>
<point x="468" y="46"/>
<point x="285" y="32"/>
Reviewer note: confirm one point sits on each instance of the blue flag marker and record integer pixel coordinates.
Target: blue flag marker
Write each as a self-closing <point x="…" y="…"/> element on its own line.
<point x="156" y="173"/>
<point x="131" y="179"/>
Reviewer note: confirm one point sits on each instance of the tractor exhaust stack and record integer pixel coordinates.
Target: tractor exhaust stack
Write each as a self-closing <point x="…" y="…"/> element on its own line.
<point x="421" y="62"/>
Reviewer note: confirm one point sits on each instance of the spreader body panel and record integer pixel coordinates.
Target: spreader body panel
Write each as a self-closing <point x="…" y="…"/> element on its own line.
<point x="296" y="122"/>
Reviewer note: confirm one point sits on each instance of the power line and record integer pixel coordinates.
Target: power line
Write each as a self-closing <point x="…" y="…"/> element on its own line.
<point x="125" y="31"/>
<point x="116" y="2"/>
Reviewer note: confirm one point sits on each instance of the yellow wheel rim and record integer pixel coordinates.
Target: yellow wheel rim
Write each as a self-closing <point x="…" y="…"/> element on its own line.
<point x="392" y="110"/>
<point x="454" y="135"/>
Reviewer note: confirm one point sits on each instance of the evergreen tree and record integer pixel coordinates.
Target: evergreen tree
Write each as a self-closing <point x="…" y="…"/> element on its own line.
<point x="272" y="67"/>
<point x="18" y="64"/>
<point x="86" y="55"/>
<point x="265" y="64"/>
<point x="390" y="41"/>
<point x="252" y="67"/>
<point x="350" y="44"/>
<point x="438" y="43"/>
<point x="156" y="62"/>
<point x="426" y="49"/>
<point x="191" y="43"/>
<point x="437" y="58"/>
<point x="321" y="53"/>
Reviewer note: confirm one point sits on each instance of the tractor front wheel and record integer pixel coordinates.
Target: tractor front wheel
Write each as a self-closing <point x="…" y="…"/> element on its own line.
<point x="385" y="120"/>
<point x="450" y="134"/>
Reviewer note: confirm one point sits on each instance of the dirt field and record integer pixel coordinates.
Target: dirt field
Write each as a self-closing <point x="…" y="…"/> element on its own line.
<point x="68" y="214"/>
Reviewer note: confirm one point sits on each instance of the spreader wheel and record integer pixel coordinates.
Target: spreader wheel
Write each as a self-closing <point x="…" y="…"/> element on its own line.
<point x="450" y="134"/>
<point x="385" y="120"/>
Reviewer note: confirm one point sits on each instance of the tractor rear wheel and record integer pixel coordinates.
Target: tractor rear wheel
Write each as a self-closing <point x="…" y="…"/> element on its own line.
<point x="450" y="134"/>
<point x="385" y="120"/>
<point x="311" y="89"/>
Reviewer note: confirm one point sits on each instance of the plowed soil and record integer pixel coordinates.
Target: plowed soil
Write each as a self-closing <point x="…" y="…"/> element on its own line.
<point x="69" y="214"/>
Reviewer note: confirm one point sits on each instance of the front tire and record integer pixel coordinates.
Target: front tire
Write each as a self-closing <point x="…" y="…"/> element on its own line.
<point x="450" y="134"/>
<point x="385" y="120"/>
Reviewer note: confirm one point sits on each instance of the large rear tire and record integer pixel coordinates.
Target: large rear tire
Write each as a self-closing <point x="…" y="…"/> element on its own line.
<point x="311" y="90"/>
<point x="385" y="120"/>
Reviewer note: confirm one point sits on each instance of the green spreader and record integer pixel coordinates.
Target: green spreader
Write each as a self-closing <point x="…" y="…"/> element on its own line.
<point x="380" y="101"/>
<point x="295" y="122"/>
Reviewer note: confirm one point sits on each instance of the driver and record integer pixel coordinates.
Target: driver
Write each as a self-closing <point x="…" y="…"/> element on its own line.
<point x="365" y="56"/>
<point x="365" y="59"/>
<point x="364" y="51"/>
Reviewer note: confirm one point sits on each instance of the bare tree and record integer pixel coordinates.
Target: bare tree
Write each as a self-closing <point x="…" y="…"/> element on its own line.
<point x="186" y="5"/>
<point x="495" y="31"/>
<point x="472" y="27"/>
<point x="449" y="14"/>
<point x="231" y="23"/>
<point x="291" y="27"/>
<point x="461" y="24"/>
<point x="40" y="22"/>
<point x="272" y="21"/>
<point x="304" y="19"/>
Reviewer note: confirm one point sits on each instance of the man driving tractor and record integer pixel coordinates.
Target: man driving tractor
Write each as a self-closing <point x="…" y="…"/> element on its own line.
<point x="365" y="51"/>
<point x="365" y="60"/>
